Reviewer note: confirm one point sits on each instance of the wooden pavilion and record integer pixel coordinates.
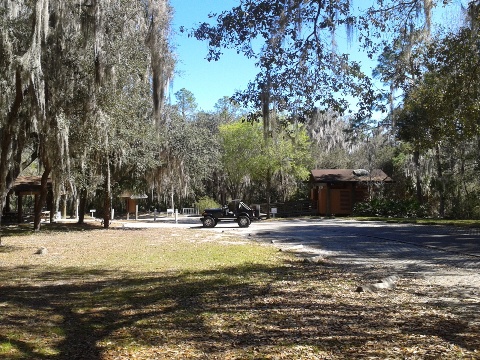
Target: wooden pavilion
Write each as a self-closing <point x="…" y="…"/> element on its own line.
<point x="335" y="191"/>
<point x="25" y="186"/>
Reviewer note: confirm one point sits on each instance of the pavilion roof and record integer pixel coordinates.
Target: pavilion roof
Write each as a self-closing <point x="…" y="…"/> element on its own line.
<point x="29" y="184"/>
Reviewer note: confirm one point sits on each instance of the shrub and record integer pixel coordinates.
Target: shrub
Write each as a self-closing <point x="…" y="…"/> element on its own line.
<point x="206" y="203"/>
<point x="382" y="207"/>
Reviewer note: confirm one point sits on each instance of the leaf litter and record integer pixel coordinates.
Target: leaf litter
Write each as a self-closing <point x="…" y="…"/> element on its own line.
<point x="112" y="295"/>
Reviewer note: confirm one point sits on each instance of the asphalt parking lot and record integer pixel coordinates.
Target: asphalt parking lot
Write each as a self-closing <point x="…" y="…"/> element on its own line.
<point x="443" y="258"/>
<point x="442" y="245"/>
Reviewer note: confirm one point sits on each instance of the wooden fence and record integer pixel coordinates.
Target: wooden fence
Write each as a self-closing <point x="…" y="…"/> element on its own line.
<point x="292" y="208"/>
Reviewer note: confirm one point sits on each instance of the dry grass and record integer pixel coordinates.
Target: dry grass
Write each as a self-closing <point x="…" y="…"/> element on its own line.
<point x="193" y="294"/>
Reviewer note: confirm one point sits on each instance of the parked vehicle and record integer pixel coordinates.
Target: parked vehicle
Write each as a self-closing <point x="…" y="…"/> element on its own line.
<point x="236" y="211"/>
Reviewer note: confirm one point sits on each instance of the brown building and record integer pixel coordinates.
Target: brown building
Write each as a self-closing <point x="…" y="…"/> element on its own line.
<point x="131" y="202"/>
<point x="335" y="191"/>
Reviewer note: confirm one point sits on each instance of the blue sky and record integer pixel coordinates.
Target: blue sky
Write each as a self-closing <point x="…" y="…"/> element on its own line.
<point x="208" y="81"/>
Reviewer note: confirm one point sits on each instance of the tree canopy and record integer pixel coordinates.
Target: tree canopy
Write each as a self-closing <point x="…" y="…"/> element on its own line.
<point x="294" y="44"/>
<point x="68" y="68"/>
<point x="83" y="84"/>
<point x="247" y="157"/>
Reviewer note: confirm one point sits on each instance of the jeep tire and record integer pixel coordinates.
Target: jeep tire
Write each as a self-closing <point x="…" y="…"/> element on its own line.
<point x="243" y="221"/>
<point x="209" y="222"/>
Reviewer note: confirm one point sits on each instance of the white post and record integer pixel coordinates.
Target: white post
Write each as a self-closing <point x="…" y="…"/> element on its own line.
<point x="176" y="216"/>
<point x="64" y="206"/>
<point x="113" y="214"/>
<point x="136" y="212"/>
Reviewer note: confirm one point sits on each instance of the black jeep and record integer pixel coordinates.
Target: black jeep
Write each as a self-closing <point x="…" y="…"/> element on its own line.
<point x="236" y="210"/>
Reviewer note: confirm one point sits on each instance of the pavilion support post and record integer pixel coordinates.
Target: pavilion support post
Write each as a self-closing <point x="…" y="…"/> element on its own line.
<point x="40" y="199"/>
<point x="64" y="206"/>
<point x="319" y="200"/>
<point x="50" y="205"/>
<point x="19" y="207"/>
<point x="7" y="203"/>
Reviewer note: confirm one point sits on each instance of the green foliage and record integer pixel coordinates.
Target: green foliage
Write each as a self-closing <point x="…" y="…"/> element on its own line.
<point x="437" y="121"/>
<point x="186" y="104"/>
<point x="293" y="64"/>
<point x="291" y="42"/>
<point x="382" y="207"/>
<point x="83" y="92"/>
<point x="443" y="101"/>
<point x="227" y="110"/>
<point x="191" y="155"/>
<point x="248" y="157"/>
<point x="206" y="203"/>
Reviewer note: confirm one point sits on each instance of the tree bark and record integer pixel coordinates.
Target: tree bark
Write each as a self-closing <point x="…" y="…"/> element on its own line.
<point x="268" y="189"/>
<point x="107" y="203"/>
<point x="440" y="182"/>
<point x="42" y="198"/>
<point x="7" y="136"/>
<point x="418" y="179"/>
<point x="82" y="206"/>
<point x="267" y="133"/>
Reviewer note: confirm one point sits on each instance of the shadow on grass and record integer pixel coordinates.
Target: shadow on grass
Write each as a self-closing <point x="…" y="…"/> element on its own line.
<point x="246" y="311"/>
<point x="27" y="229"/>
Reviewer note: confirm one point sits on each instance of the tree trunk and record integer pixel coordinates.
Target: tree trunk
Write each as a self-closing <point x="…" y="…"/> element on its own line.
<point x="50" y="205"/>
<point x="418" y="179"/>
<point x="42" y="198"/>
<point x="107" y="203"/>
<point x="440" y="181"/>
<point x="268" y="190"/>
<point x="82" y="206"/>
<point x="7" y="136"/>
<point x="265" y="98"/>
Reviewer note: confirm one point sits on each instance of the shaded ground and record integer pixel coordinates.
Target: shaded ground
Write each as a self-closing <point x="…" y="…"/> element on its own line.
<point x="174" y="293"/>
<point x="440" y="255"/>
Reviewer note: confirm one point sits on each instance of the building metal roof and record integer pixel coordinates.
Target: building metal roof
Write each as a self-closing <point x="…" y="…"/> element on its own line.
<point x="348" y="175"/>
<point x="129" y="195"/>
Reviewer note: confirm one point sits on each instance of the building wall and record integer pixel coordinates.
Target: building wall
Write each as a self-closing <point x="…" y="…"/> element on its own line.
<point x="131" y="205"/>
<point x="338" y="198"/>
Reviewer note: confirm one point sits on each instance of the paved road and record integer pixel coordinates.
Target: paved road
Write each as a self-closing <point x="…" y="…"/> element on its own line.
<point x="400" y="245"/>
<point x="444" y="259"/>
<point x="406" y="247"/>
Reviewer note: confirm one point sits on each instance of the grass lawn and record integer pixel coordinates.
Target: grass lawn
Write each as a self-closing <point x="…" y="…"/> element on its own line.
<point x="194" y="294"/>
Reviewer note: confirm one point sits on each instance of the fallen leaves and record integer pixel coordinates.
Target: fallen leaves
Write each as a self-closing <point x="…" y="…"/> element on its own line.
<point x="263" y="304"/>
